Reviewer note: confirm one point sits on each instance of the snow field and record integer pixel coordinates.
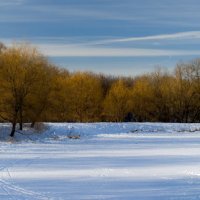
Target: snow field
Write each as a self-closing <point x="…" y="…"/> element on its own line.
<point x="127" y="161"/>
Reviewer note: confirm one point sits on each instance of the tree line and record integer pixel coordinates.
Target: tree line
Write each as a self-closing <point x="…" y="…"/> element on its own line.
<point x="32" y="89"/>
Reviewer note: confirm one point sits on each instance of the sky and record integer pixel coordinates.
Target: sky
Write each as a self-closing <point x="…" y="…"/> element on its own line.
<point x="128" y="37"/>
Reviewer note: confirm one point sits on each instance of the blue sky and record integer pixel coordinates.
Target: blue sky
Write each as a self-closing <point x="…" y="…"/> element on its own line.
<point x="117" y="37"/>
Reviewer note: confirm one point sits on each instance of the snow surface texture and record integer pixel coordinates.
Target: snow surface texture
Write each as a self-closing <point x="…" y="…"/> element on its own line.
<point x="110" y="161"/>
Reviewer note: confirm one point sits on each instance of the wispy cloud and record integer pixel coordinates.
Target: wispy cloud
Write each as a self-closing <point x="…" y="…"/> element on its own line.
<point x="80" y="51"/>
<point x="173" y="36"/>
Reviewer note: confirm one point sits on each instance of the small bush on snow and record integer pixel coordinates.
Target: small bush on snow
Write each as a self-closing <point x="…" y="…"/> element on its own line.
<point x="40" y="127"/>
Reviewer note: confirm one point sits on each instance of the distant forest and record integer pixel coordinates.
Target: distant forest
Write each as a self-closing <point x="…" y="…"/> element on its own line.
<point x="32" y="89"/>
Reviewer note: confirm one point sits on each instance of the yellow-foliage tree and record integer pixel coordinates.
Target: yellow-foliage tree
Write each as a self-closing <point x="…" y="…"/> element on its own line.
<point x="17" y="77"/>
<point x="142" y="99"/>
<point x="38" y="101"/>
<point x="85" y="92"/>
<point x="58" y="109"/>
<point x="117" y="102"/>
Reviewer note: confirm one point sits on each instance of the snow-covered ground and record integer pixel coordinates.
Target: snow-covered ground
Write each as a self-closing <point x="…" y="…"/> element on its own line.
<point x="118" y="161"/>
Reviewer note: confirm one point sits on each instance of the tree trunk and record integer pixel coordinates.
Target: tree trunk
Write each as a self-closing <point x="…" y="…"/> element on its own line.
<point x="20" y="126"/>
<point x="13" y="128"/>
<point x="21" y="120"/>
<point x="33" y="124"/>
<point x="14" y="122"/>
